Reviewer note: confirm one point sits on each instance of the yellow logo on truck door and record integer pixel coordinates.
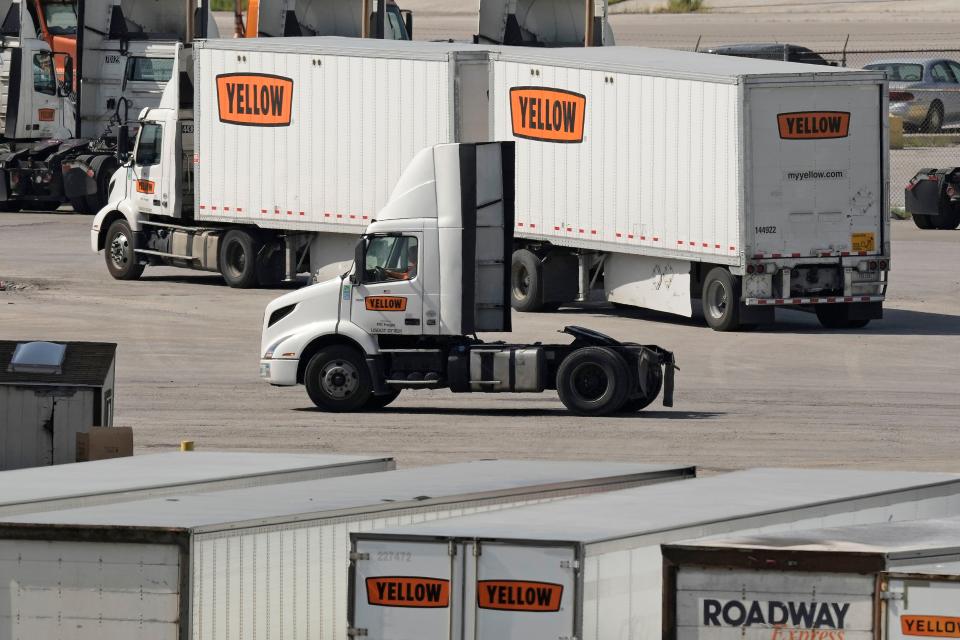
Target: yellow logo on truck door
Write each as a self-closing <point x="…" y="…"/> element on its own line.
<point x="519" y="595"/>
<point x="386" y="303"/>
<point x="814" y="125"/>
<point x="930" y="626"/>
<point x="549" y="115"/>
<point x="416" y="593"/>
<point x="255" y="99"/>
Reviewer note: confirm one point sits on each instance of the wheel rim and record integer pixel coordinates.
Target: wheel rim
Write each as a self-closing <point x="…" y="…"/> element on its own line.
<point x="339" y="379"/>
<point x="718" y="299"/>
<point x="936" y="120"/>
<point x="590" y="381"/>
<point x="120" y="250"/>
<point x="236" y="259"/>
<point x="521" y="282"/>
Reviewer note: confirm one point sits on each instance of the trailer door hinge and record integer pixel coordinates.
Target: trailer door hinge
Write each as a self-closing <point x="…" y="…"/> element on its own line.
<point x="891" y="595"/>
<point x="355" y="633"/>
<point x="359" y="556"/>
<point x="570" y="564"/>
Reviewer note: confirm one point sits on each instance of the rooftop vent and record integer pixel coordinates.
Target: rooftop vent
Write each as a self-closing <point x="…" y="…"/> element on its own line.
<point x="38" y="357"/>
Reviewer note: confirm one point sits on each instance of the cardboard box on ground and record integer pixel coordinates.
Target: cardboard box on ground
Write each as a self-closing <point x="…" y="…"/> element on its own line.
<point x="103" y="443"/>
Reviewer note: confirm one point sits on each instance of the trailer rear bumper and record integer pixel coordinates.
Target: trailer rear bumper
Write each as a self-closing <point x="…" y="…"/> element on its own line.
<point x="797" y="302"/>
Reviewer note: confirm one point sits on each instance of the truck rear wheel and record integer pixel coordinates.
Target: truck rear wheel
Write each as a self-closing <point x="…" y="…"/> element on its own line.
<point x="593" y="381"/>
<point x="721" y="300"/>
<point x="837" y="316"/>
<point x="118" y="251"/>
<point x="526" y="289"/>
<point x="654" y="384"/>
<point x="237" y="260"/>
<point x="337" y="380"/>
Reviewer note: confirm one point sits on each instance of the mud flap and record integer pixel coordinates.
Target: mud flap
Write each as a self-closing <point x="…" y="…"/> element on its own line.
<point x="4" y="192"/>
<point x="669" y="369"/>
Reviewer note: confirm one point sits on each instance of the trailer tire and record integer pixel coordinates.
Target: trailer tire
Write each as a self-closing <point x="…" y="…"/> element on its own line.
<point x="80" y="206"/>
<point x="98" y="200"/>
<point x="338" y="380"/>
<point x="654" y="386"/>
<point x="593" y="381"/>
<point x="118" y="251"/>
<point x="526" y="286"/>
<point x="238" y="259"/>
<point x="377" y="403"/>
<point x="837" y="316"/>
<point x="721" y="300"/>
<point x="924" y="222"/>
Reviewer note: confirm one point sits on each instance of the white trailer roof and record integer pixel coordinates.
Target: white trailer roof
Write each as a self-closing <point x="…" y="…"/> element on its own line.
<point x="673" y="506"/>
<point x="915" y="538"/>
<point x="338" y="46"/>
<point x="45" y="488"/>
<point x="351" y="495"/>
<point x="633" y="60"/>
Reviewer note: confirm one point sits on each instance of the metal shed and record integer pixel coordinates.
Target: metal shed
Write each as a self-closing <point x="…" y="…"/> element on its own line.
<point x="50" y="392"/>
<point x="269" y="562"/>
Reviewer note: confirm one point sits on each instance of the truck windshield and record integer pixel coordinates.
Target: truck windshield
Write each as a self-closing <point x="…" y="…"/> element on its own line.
<point x="396" y="28"/>
<point x="61" y="17"/>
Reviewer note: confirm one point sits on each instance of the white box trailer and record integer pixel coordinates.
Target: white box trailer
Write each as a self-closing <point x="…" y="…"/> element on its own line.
<point x="667" y="176"/>
<point x="162" y="474"/>
<point x="654" y="177"/>
<point x="249" y="563"/>
<point x="591" y="568"/>
<point x="891" y="581"/>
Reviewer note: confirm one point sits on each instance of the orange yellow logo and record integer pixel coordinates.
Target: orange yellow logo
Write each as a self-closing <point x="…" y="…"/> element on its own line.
<point x="549" y="115"/>
<point x="930" y="626"/>
<point x="519" y="595"/>
<point x="416" y="593"/>
<point x="385" y="303"/>
<point x="255" y="99"/>
<point x="814" y="125"/>
<point x="146" y="186"/>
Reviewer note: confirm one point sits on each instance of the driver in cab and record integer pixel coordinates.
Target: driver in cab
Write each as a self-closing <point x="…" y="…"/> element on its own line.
<point x="411" y="271"/>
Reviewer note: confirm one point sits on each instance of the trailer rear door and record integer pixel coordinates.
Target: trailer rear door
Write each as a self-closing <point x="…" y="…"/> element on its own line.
<point x="815" y="171"/>
<point x="922" y="607"/>
<point x="520" y="592"/>
<point x="402" y="590"/>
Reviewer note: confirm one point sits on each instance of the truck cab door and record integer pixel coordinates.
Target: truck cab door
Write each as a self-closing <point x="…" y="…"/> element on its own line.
<point x="154" y="169"/>
<point x="39" y="112"/>
<point x="389" y="297"/>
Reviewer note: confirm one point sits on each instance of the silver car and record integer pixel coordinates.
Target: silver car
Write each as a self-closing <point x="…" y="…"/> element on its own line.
<point x="924" y="92"/>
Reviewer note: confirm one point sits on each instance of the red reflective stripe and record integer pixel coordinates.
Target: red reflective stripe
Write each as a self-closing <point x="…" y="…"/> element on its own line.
<point x="619" y="235"/>
<point x="533" y="226"/>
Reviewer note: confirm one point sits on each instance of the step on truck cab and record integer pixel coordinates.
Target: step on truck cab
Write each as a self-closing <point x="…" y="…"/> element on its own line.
<point x="429" y="274"/>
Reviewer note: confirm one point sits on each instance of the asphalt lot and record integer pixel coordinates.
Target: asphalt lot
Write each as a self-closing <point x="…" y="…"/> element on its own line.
<point x="884" y="396"/>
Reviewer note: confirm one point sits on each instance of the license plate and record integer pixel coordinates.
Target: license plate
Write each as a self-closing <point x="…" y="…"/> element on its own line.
<point x="863" y="242"/>
<point x="264" y="370"/>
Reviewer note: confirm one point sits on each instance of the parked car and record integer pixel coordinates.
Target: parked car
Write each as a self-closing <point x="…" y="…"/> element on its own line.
<point x="924" y="92"/>
<point x="785" y="52"/>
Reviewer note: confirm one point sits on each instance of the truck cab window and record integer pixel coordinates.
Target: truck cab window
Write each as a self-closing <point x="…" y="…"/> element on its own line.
<point x="44" y="76"/>
<point x="141" y="69"/>
<point x="396" y="29"/>
<point x="149" y="145"/>
<point x="391" y="258"/>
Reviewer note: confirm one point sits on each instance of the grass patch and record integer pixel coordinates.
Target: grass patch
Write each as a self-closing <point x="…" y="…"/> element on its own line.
<point x="918" y="141"/>
<point x="221" y="5"/>
<point x="899" y="213"/>
<point x="682" y="6"/>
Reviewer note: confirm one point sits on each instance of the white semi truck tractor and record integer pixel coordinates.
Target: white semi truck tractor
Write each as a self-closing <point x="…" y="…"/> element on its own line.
<point x="430" y="273"/>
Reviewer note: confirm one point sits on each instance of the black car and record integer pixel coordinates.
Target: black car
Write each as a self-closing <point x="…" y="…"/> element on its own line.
<point x="784" y="52"/>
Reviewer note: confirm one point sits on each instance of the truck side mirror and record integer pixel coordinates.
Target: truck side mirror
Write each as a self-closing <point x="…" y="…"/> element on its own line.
<point x="359" y="262"/>
<point x="66" y="88"/>
<point x="408" y="21"/>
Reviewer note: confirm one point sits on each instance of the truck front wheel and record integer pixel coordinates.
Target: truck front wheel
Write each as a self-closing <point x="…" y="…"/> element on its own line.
<point x="721" y="300"/>
<point x="593" y="381"/>
<point x="118" y="251"/>
<point x="337" y="380"/>
<point x="237" y="260"/>
<point x="526" y="290"/>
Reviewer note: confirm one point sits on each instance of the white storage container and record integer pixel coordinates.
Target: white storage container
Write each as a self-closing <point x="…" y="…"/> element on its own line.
<point x="891" y="581"/>
<point x="249" y="563"/>
<point x="161" y="474"/>
<point x="591" y="568"/>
